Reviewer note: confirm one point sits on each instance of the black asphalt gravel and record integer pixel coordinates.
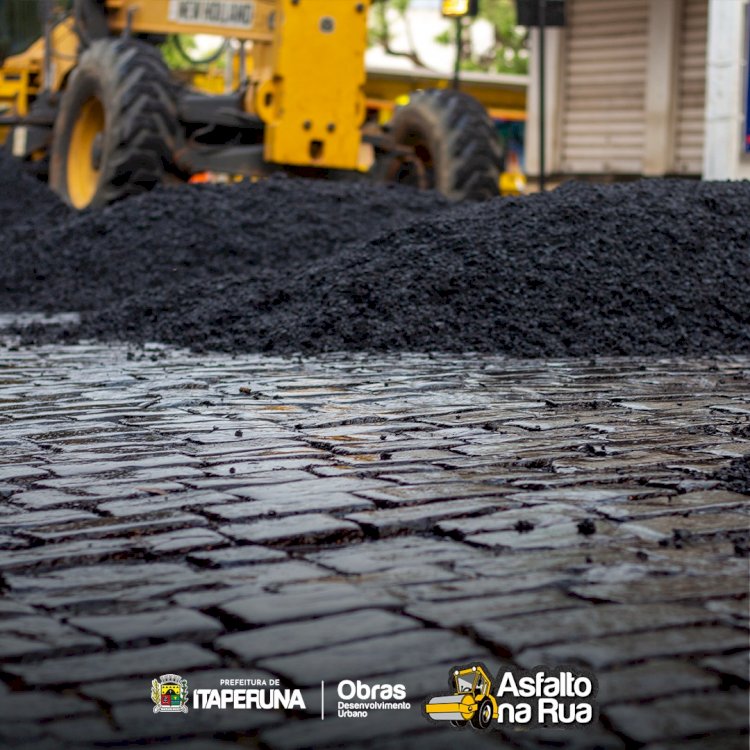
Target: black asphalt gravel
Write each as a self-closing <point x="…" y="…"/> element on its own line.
<point x="288" y="265"/>
<point x="160" y="242"/>
<point x="736" y="476"/>
<point x="23" y="200"/>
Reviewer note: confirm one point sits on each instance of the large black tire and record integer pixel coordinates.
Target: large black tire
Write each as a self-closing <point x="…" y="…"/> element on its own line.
<point x="455" y="144"/>
<point x="90" y="20"/>
<point x="117" y="127"/>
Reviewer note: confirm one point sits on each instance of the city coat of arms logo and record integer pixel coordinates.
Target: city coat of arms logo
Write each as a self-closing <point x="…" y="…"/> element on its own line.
<point x="169" y="694"/>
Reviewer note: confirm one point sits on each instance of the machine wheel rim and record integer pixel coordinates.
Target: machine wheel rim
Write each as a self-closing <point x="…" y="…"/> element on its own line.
<point x="83" y="166"/>
<point x="486" y="714"/>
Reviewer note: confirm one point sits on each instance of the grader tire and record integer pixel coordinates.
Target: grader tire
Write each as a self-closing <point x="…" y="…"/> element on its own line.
<point x="117" y="126"/>
<point x="454" y="141"/>
<point x="90" y="20"/>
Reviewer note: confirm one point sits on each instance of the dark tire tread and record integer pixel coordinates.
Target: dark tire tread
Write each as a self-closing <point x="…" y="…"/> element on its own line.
<point x="138" y="96"/>
<point x="464" y="146"/>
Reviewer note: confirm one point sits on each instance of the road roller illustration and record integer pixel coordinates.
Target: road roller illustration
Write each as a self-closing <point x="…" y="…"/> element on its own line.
<point x="472" y="701"/>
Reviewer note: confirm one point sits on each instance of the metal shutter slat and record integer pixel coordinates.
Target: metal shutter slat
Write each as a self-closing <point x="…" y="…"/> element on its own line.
<point x="604" y="85"/>
<point x="691" y="88"/>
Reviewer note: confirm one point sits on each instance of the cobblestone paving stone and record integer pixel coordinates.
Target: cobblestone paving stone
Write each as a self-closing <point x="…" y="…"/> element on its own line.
<point x="367" y="518"/>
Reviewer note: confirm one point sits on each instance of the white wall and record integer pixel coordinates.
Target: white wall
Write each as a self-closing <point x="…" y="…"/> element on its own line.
<point x="553" y="75"/>
<point x="724" y="157"/>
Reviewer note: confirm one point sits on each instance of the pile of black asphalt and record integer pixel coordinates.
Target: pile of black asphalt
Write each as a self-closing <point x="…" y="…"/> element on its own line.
<point x="657" y="267"/>
<point x="735" y="476"/>
<point x="161" y="242"/>
<point x="23" y="200"/>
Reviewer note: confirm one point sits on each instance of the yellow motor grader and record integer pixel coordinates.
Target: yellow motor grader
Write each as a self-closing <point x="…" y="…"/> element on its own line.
<point x="92" y="102"/>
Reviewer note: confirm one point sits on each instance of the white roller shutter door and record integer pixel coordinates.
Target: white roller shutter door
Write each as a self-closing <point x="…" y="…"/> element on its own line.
<point x="691" y="88"/>
<point x="603" y="87"/>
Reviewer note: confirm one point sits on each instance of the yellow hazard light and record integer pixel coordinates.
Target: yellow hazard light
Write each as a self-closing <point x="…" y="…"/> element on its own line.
<point x="460" y="8"/>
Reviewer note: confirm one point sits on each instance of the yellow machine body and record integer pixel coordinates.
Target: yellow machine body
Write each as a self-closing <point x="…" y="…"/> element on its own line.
<point x="295" y="96"/>
<point x="23" y="76"/>
<point x="306" y="67"/>
<point x="307" y="71"/>
<point x="314" y="103"/>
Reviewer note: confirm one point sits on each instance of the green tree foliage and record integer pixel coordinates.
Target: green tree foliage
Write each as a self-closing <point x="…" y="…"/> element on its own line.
<point x="172" y="55"/>
<point x="183" y="52"/>
<point x="508" y="52"/>
<point x="380" y="29"/>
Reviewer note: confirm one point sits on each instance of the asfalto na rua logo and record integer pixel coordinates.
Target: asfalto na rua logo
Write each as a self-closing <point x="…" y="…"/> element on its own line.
<point x="169" y="694"/>
<point x="544" y="696"/>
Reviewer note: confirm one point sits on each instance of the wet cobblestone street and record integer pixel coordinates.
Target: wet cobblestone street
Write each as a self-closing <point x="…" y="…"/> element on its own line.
<point x="368" y="518"/>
